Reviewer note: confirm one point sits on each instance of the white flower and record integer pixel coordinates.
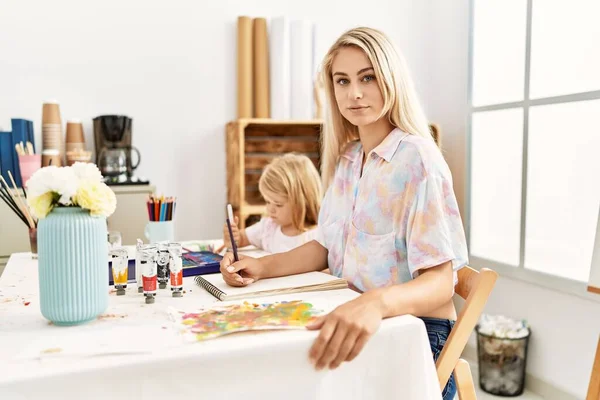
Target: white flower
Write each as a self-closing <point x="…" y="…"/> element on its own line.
<point x="79" y="185"/>
<point x="40" y="206"/>
<point x="96" y="197"/>
<point x="87" y="172"/>
<point x="59" y="180"/>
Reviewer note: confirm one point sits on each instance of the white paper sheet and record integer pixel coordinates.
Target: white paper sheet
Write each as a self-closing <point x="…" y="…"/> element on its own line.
<point x="302" y="66"/>
<point x="279" y="64"/>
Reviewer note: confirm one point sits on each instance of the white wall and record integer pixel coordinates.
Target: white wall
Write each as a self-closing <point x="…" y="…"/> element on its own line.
<point x="565" y="328"/>
<point x="171" y="68"/>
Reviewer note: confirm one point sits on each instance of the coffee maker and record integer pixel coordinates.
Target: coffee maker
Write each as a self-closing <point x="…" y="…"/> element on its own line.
<point x="112" y="137"/>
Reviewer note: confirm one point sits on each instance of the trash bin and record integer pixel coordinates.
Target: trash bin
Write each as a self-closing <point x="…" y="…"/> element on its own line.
<point x="502" y="354"/>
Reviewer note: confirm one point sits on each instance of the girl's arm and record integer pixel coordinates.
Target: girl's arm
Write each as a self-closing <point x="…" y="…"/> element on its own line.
<point x="239" y="235"/>
<point x="243" y="239"/>
<point x="309" y="257"/>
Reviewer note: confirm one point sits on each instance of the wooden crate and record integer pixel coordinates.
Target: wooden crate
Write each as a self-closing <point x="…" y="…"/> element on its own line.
<point x="251" y="143"/>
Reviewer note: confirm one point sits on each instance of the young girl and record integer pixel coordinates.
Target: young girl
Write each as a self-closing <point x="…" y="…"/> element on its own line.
<point x="291" y="187"/>
<point x="389" y="222"/>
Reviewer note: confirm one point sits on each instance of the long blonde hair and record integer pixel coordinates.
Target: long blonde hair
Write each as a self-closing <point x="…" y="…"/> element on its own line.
<point x="295" y="177"/>
<point x="401" y="105"/>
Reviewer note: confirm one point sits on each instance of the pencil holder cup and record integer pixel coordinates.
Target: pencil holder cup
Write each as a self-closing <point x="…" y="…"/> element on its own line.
<point x="33" y="242"/>
<point x="28" y="164"/>
<point x="160" y="231"/>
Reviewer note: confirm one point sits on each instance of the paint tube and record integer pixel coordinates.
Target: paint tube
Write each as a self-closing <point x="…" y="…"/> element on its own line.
<point x="149" y="276"/>
<point x="162" y="265"/>
<point x="176" y="269"/>
<point x="119" y="269"/>
<point x="138" y="266"/>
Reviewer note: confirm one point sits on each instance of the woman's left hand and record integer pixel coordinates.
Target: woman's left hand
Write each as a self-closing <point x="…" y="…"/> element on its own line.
<point x="345" y="331"/>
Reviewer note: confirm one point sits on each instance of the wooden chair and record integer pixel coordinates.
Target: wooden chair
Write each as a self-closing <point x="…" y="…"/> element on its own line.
<point x="464" y="381"/>
<point x="475" y="287"/>
<point x="594" y="387"/>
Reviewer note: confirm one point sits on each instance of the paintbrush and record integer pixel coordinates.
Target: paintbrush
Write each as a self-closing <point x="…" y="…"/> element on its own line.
<point x="8" y="198"/>
<point x="25" y="209"/>
<point x="13" y="207"/>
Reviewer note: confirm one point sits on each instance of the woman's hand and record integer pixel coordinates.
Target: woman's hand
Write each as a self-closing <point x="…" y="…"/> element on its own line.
<point x="345" y="331"/>
<point x="237" y="235"/>
<point x="232" y="272"/>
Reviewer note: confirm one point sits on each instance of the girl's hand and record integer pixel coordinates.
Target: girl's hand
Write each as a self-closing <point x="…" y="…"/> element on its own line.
<point x="237" y="235"/>
<point x="232" y="272"/>
<point x="345" y="331"/>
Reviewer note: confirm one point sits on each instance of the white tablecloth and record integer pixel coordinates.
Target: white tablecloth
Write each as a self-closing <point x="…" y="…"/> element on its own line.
<point x="133" y="352"/>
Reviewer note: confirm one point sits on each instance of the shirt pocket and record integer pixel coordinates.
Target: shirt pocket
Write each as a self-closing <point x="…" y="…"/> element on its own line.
<point x="370" y="261"/>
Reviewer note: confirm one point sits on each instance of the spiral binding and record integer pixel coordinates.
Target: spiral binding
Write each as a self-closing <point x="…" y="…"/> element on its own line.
<point x="210" y="288"/>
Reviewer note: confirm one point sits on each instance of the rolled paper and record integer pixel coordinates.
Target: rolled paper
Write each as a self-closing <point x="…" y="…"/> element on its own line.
<point x="244" y="67"/>
<point x="261" y="69"/>
<point x="279" y="68"/>
<point x="302" y="83"/>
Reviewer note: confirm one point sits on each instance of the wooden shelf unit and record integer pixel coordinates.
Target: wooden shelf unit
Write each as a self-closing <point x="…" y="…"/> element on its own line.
<point x="251" y="143"/>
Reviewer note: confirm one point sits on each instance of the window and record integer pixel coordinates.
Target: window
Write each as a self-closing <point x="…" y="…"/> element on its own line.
<point x="534" y="137"/>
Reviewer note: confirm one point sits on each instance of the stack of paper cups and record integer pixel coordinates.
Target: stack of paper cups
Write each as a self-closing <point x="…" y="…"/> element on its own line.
<point x="75" y="139"/>
<point x="51" y="134"/>
<point x="75" y="143"/>
<point x="74" y="156"/>
<point x="51" y="157"/>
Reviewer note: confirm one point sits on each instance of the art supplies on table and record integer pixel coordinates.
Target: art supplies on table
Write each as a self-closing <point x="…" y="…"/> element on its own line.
<point x="161" y="208"/>
<point x="200" y="263"/>
<point x="219" y="320"/>
<point x="162" y="264"/>
<point x="306" y="282"/>
<point x="17" y="203"/>
<point x="176" y="269"/>
<point x="131" y="268"/>
<point x="139" y="245"/>
<point x="194" y="263"/>
<point x="160" y="231"/>
<point x="120" y="269"/>
<point x="230" y="221"/>
<point x="149" y="273"/>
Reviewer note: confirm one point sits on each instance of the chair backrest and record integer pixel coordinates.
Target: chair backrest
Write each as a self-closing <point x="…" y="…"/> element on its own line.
<point x="475" y="287"/>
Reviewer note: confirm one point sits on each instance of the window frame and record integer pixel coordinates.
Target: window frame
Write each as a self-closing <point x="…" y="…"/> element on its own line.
<point x="545" y="280"/>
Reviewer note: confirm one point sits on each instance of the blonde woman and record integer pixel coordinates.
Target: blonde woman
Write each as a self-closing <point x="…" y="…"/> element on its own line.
<point x="291" y="187"/>
<point x="389" y="221"/>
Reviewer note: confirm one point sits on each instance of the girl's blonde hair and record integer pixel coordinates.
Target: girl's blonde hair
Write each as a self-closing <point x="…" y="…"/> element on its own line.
<point x="295" y="177"/>
<point x="400" y="103"/>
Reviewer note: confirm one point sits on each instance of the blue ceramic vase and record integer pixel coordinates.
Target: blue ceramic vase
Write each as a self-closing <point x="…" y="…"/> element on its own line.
<point x="73" y="266"/>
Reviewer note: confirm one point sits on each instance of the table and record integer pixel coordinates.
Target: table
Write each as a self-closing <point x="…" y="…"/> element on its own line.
<point x="131" y="352"/>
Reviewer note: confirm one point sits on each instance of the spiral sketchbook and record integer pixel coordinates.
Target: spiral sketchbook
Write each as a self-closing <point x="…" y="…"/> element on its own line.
<point x="307" y="282"/>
